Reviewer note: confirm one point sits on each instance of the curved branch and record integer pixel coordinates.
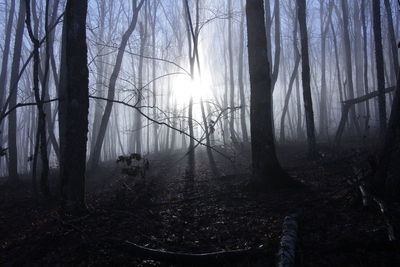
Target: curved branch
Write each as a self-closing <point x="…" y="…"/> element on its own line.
<point x="180" y="257"/>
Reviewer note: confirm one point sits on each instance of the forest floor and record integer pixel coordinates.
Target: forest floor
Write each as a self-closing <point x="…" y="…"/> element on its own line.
<point x="166" y="212"/>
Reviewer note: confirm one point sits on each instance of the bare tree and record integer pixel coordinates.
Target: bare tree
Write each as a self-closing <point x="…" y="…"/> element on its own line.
<point x="4" y="63"/>
<point x="6" y="53"/>
<point x="376" y="9"/>
<point x="308" y="106"/>
<point x="349" y="68"/>
<point x="95" y="156"/>
<point x="292" y="78"/>
<point x="154" y="72"/>
<point x="41" y="139"/>
<point x="324" y="28"/>
<point x="12" y="119"/>
<point x="365" y="54"/>
<point x="392" y="36"/>
<point x="267" y="171"/>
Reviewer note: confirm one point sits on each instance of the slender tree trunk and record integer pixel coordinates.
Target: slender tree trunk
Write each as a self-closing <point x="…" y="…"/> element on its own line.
<point x="268" y="27"/>
<point x="153" y="38"/>
<point x="291" y="81"/>
<point x="277" y="55"/>
<point x="4" y="63"/>
<point x="365" y="73"/>
<point x="240" y="79"/>
<point x="138" y="117"/>
<point x="324" y="27"/>
<point x="192" y="33"/>
<point x="389" y="153"/>
<point x="308" y="107"/>
<point x="100" y="69"/>
<point x="379" y="66"/>
<point x="231" y="77"/>
<point x="299" y="124"/>
<point x="41" y="141"/>
<point x="349" y="70"/>
<point x="95" y="157"/>
<point x="392" y="36"/>
<point x="358" y="67"/>
<point x="6" y="53"/>
<point x="45" y="79"/>
<point x="12" y="118"/>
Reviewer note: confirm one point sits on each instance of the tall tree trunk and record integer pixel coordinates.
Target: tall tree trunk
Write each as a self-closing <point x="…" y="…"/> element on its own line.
<point x="324" y="27"/>
<point x="41" y="140"/>
<point x="277" y="55"/>
<point x="358" y="67"/>
<point x="308" y="107"/>
<point x="389" y="154"/>
<point x="365" y="73"/>
<point x="392" y="36"/>
<point x="349" y="70"/>
<point x="376" y="9"/>
<point x="4" y="63"/>
<point x="138" y="117"/>
<point x="74" y="107"/>
<point x="100" y="69"/>
<point x="6" y="53"/>
<point x="193" y="34"/>
<point x="231" y="77"/>
<point x="266" y="168"/>
<point x="153" y="38"/>
<point x="12" y="118"/>
<point x="291" y="81"/>
<point x="240" y="78"/>
<point x="95" y="156"/>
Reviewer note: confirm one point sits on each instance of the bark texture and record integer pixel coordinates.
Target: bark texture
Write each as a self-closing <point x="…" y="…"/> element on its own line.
<point x="74" y="107"/>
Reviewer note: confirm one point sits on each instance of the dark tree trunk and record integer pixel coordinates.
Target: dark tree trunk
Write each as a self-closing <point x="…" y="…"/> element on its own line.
<point x="100" y="73"/>
<point x="308" y="106"/>
<point x="392" y="36"/>
<point x="12" y="119"/>
<point x="365" y="53"/>
<point x="6" y="53"/>
<point x="41" y="132"/>
<point x="349" y="70"/>
<point x="74" y="107"/>
<point x="323" y="112"/>
<point x="266" y="168"/>
<point x="379" y="66"/>
<point x="4" y="63"/>
<point x="390" y="151"/>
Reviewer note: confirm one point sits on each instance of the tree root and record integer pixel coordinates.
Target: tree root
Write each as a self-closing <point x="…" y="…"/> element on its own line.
<point x="367" y="197"/>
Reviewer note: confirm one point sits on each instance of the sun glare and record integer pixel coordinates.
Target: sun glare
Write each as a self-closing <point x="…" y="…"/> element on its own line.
<point x="184" y="88"/>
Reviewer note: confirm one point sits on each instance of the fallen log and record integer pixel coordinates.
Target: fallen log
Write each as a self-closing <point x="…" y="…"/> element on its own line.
<point x="181" y="257"/>
<point x="287" y="248"/>
<point x="346" y="108"/>
<point x="383" y="209"/>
